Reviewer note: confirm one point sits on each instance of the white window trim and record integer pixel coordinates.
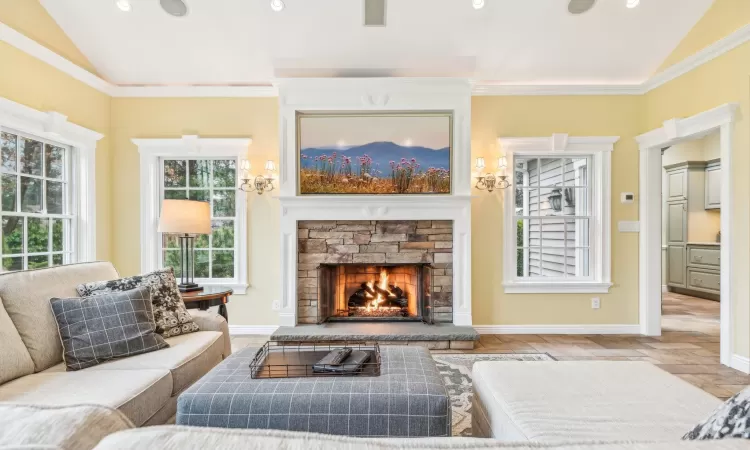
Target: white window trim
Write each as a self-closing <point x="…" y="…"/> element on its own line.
<point x="152" y="151"/>
<point x="55" y="127"/>
<point x="599" y="148"/>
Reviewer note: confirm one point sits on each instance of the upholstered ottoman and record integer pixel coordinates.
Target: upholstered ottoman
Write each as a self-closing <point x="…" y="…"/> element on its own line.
<point x="407" y="399"/>
<point x="580" y="401"/>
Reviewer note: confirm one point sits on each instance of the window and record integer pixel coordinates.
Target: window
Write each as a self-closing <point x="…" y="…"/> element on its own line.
<point x="36" y="219"/>
<point x="213" y="181"/>
<point x="204" y="169"/>
<point x="552" y="217"/>
<point x="557" y="229"/>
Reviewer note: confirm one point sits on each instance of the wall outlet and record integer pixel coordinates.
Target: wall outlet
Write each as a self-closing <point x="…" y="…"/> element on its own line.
<point x="275" y="305"/>
<point x="595" y="303"/>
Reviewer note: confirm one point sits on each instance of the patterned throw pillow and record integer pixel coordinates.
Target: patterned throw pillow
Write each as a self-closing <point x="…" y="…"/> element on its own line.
<point x="105" y="327"/>
<point x="730" y="420"/>
<point x="172" y="318"/>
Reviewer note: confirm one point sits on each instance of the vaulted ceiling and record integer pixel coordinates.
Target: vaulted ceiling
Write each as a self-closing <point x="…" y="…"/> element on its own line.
<point x="223" y="42"/>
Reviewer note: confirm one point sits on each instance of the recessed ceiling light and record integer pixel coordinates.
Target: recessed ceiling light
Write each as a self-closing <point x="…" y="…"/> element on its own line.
<point x="277" y="5"/>
<point x="124" y="5"/>
<point x="477" y="4"/>
<point x="632" y="3"/>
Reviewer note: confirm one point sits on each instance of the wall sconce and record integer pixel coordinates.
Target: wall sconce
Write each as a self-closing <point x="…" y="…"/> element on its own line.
<point x="260" y="183"/>
<point x="489" y="181"/>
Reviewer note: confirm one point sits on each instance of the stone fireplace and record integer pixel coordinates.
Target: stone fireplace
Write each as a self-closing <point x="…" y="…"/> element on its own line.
<point x="348" y="240"/>
<point x="375" y="270"/>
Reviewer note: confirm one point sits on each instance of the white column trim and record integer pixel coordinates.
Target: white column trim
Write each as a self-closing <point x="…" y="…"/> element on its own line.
<point x="599" y="148"/>
<point x="674" y="131"/>
<point x="151" y="150"/>
<point x="55" y="127"/>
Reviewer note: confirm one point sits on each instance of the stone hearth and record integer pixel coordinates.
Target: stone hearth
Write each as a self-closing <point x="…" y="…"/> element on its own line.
<point x="374" y="242"/>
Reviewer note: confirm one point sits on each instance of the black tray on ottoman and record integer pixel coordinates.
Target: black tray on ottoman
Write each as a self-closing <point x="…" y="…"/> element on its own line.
<point x="408" y="399"/>
<point x="276" y="360"/>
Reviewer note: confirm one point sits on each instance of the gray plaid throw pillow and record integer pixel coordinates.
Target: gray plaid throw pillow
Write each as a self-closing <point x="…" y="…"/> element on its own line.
<point x="171" y="316"/>
<point x="97" y="329"/>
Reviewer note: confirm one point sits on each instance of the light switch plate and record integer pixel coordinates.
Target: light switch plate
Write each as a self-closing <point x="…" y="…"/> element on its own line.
<point x="625" y="226"/>
<point x="627" y="197"/>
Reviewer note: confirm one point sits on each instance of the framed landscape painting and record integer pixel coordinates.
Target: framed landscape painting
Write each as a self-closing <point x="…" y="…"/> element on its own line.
<point x="374" y="153"/>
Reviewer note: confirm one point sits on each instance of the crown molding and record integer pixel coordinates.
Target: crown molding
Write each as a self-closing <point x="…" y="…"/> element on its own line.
<point x="713" y="51"/>
<point x="495" y="89"/>
<point x="42" y="53"/>
<point x="478" y="88"/>
<point x="196" y="91"/>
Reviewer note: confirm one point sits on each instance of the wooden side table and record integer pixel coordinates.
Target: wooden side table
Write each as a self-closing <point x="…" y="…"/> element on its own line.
<point x="208" y="297"/>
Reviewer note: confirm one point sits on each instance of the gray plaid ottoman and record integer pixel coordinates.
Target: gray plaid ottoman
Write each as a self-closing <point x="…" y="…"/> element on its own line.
<point x="407" y="399"/>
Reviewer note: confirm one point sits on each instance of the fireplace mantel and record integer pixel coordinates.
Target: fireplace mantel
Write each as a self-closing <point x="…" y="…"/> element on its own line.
<point x="376" y="94"/>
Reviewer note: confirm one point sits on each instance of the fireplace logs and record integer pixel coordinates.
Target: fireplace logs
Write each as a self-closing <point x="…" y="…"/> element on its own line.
<point x="378" y="298"/>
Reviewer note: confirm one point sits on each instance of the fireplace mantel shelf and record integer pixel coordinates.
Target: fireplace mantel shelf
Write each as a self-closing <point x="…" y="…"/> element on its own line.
<point x="361" y="200"/>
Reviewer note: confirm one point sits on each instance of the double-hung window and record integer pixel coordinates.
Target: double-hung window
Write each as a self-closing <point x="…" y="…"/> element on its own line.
<point x="37" y="221"/>
<point x="556" y="234"/>
<point x="211" y="180"/>
<point x="202" y="169"/>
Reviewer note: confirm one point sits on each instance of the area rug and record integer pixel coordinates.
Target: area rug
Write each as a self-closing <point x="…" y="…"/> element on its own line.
<point x="456" y="372"/>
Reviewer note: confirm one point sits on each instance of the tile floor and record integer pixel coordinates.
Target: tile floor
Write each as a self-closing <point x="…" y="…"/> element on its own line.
<point x="688" y="347"/>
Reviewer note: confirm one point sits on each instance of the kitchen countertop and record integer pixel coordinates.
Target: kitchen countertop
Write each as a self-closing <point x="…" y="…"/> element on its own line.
<point x="704" y="243"/>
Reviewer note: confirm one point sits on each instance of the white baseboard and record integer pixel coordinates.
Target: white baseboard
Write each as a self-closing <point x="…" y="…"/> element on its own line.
<point x="558" y="329"/>
<point x="664" y="288"/>
<point x="740" y="363"/>
<point x="239" y="330"/>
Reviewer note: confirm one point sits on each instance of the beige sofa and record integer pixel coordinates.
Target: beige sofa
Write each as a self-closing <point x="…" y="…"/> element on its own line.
<point x="89" y="427"/>
<point x="144" y="388"/>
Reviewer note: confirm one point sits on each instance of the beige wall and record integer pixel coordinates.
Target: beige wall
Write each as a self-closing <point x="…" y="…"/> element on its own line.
<point x="31" y="19"/>
<point x="494" y="117"/>
<point x="26" y="80"/>
<point x="171" y="118"/>
<point x="725" y="79"/>
<point x="721" y="19"/>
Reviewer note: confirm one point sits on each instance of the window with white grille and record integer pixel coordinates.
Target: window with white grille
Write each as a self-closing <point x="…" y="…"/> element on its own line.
<point x="557" y="214"/>
<point x="211" y="180"/>
<point x="37" y="217"/>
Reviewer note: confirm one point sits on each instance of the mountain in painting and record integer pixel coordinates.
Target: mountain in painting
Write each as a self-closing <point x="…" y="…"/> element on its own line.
<point x="382" y="153"/>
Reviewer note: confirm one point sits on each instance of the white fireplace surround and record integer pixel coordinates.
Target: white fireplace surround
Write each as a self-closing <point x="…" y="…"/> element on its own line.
<point x="376" y="95"/>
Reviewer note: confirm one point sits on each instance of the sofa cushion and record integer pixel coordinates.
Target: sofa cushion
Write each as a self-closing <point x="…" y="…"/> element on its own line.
<point x="138" y="394"/>
<point x="25" y="296"/>
<point x="188" y="357"/>
<point x="106" y="327"/>
<point x="587" y="400"/>
<point x="198" y="438"/>
<point x="15" y="360"/>
<point x="78" y="427"/>
<point x="171" y="315"/>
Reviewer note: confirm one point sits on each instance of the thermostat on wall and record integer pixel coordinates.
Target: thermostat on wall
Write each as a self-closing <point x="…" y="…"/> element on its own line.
<point x="627" y="197"/>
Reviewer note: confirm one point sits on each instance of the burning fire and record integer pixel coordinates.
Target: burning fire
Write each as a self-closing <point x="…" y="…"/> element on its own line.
<point x="383" y="285"/>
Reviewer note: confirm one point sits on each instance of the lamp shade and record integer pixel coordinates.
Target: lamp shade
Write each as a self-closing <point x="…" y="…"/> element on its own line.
<point x="185" y="217"/>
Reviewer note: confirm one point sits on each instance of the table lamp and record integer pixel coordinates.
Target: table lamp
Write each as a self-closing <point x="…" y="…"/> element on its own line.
<point x="186" y="219"/>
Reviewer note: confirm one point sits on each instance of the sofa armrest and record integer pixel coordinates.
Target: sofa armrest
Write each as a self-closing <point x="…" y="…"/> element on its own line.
<point x="79" y="427"/>
<point x="210" y="321"/>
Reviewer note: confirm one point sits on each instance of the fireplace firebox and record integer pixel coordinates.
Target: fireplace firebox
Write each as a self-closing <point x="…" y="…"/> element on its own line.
<point x="381" y="292"/>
